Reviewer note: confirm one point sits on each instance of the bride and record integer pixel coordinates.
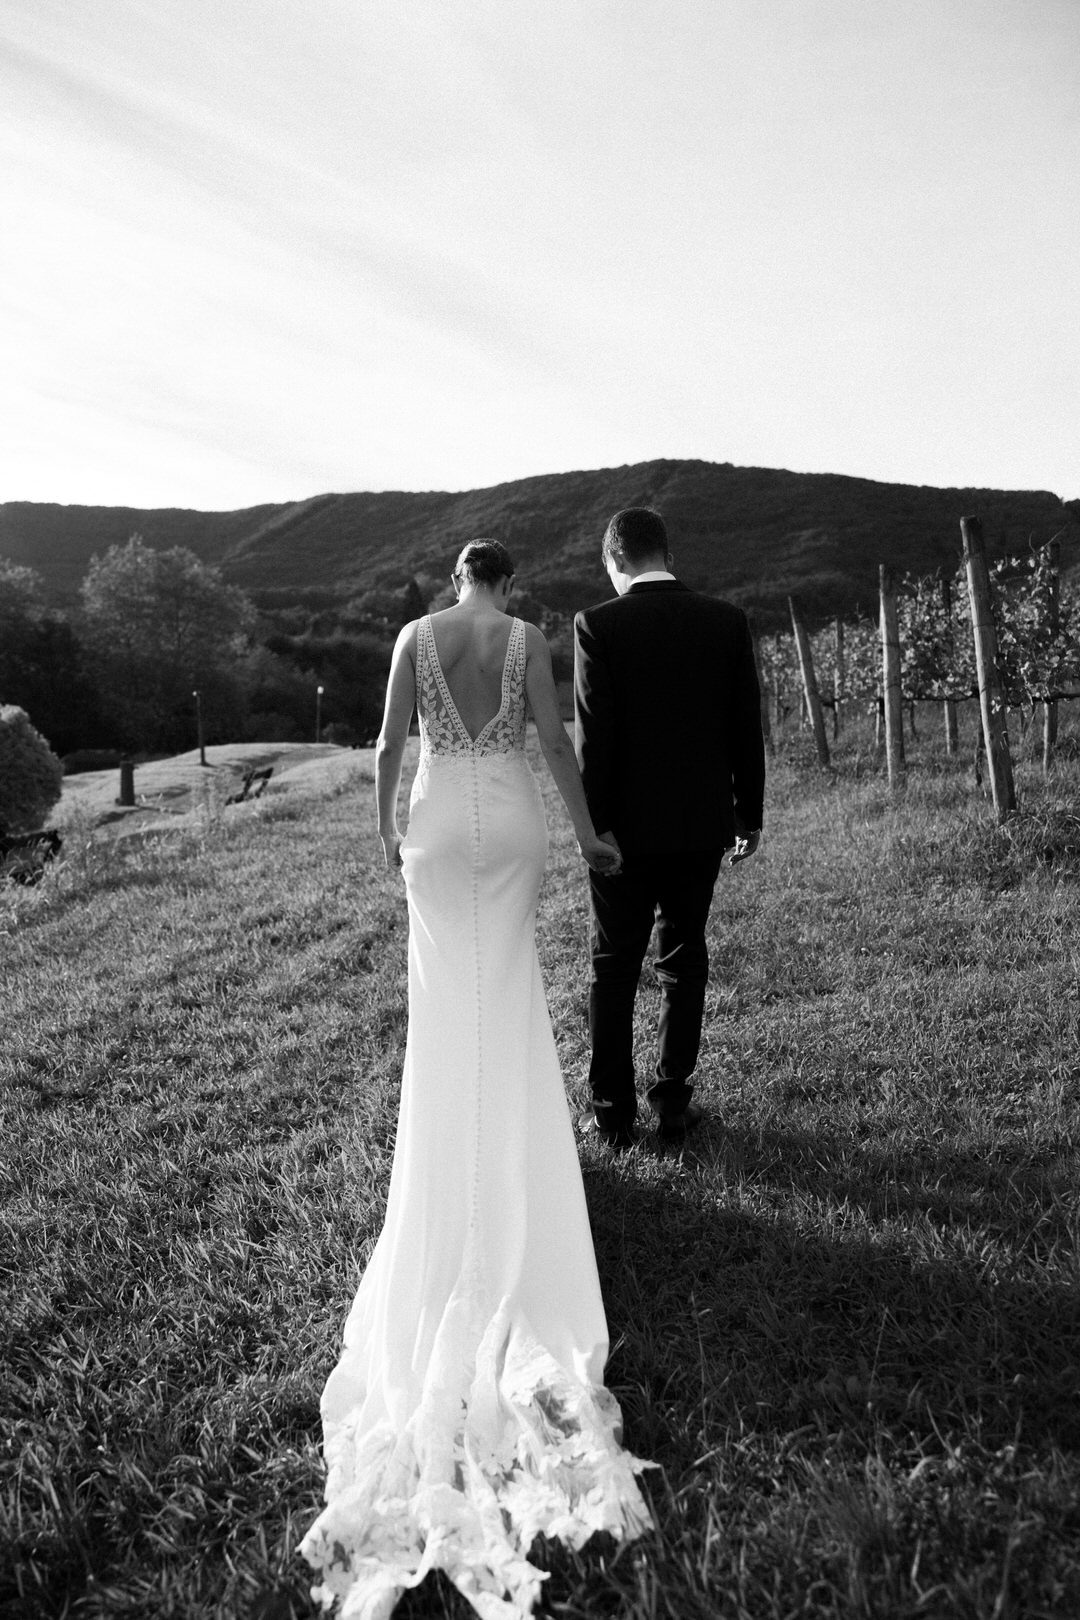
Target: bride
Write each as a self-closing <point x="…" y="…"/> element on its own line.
<point x="467" y="1414"/>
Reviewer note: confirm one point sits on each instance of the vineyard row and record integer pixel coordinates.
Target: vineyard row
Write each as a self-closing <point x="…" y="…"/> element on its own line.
<point x="1016" y="645"/>
<point x="1036" y="618"/>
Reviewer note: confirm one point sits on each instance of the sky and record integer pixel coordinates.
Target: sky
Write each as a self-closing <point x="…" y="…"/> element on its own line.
<point x="255" y="250"/>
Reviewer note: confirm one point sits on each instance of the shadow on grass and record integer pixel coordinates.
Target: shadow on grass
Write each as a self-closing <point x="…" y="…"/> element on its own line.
<point x="1006" y="1192"/>
<point x="773" y="1312"/>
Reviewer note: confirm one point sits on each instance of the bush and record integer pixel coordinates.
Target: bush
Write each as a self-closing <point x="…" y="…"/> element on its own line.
<point x="30" y="773"/>
<point x="91" y="759"/>
<point x="345" y="736"/>
<point x="271" y="726"/>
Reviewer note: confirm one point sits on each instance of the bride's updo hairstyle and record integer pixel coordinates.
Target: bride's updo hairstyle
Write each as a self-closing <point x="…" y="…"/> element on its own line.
<point x="483" y="562"/>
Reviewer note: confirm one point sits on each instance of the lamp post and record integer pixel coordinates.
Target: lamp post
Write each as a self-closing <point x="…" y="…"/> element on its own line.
<point x="318" y="712"/>
<point x="198" y="724"/>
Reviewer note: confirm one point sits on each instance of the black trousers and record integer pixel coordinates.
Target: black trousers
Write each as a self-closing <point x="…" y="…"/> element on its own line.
<point x="674" y="892"/>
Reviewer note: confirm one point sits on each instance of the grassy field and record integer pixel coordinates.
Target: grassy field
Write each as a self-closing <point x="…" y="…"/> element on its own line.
<point x="845" y="1318"/>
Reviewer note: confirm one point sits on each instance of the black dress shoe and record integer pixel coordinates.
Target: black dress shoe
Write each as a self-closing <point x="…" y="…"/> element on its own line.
<point x="619" y="1137"/>
<point x="673" y="1127"/>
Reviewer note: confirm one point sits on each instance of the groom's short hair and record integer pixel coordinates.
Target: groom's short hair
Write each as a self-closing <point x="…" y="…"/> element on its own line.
<point x="637" y="532"/>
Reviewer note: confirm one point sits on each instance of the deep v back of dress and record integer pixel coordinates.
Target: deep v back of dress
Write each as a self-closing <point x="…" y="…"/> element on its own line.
<point x="442" y="728"/>
<point x="467" y="1413"/>
<point x="473" y="655"/>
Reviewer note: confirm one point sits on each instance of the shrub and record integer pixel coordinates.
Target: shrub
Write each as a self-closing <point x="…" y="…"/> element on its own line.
<point x="272" y="726"/>
<point x="91" y="759"/>
<point x="30" y="773"/>
<point x="345" y="736"/>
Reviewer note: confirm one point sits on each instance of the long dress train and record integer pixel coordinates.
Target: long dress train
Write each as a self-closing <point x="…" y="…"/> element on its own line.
<point x="467" y="1414"/>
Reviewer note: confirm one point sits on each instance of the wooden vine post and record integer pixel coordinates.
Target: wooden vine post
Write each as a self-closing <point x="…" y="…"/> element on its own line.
<point x="991" y="693"/>
<point x="810" y="688"/>
<point x="890" y="678"/>
<point x="839" y="672"/>
<point x="952" y="739"/>
<point x="1053" y="623"/>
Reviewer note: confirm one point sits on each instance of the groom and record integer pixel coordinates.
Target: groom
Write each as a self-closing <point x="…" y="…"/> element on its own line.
<point x="671" y="753"/>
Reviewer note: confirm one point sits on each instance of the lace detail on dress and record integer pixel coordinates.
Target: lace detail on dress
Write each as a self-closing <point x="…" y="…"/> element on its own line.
<point x="504" y="1446"/>
<point x="442" y="730"/>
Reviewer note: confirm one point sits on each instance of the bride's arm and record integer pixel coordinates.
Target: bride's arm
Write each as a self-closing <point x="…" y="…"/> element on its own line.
<point x="390" y="748"/>
<point x="558" y="751"/>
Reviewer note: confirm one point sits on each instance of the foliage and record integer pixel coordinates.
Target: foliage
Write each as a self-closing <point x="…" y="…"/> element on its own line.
<point x="352" y="669"/>
<point x="779" y="665"/>
<point x="857" y="679"/>
<point x="1036" y="618"/>
<point x="342" y="735"/>
<point x="22" y="596"/>
<point x="91" y="759"/>
<point x="31" y="776"/>
<point x="159" y="625"/>
<point x="279" y="698"/>
<point x="42" y="667"/>
<point x="413" y="602"/>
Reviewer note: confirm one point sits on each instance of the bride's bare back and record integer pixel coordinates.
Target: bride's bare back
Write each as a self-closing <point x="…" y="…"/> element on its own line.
<point x="471" y="646"/>
<point x="471" y="643"/>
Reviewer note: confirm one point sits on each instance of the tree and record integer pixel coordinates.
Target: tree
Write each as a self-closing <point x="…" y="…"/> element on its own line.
<point x="42" y="666"/>
<point x="22" y="595"/>
<point x="413" y="603"/>
<point x="278" y="697"/>
<point x="160" y="624"/>
<point x="30" y="773"/>
<point x="353" y="670"/>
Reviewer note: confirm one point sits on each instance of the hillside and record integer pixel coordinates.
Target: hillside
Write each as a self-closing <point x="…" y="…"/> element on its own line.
<point x="751" y="534"/>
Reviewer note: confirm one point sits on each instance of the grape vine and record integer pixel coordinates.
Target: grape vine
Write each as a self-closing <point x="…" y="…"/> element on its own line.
<point x="1036" y="617"/>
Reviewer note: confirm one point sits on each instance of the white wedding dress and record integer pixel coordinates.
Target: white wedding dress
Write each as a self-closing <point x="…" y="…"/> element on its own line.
<point x="467" y="1414"/>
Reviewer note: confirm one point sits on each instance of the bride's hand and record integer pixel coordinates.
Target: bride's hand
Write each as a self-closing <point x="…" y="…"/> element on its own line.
<point x="391" y="848"/>
<point x="602" y="854"/>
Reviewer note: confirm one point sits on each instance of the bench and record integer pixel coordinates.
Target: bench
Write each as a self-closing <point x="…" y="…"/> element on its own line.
<point x="254" y="784"/>
<point x="24" y="856"/>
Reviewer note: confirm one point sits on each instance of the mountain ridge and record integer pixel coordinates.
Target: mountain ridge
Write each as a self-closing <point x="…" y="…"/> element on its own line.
<point x="752" y="534"/>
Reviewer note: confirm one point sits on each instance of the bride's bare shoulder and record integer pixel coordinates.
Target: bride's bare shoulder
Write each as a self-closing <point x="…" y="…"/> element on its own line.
<point x="405" y="645"/>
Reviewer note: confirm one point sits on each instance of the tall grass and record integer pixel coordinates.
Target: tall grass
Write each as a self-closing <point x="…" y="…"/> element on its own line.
<point x="845" y="1317"/>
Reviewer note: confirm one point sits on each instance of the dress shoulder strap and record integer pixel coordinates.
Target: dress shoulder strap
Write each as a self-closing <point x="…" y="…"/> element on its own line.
<point x="518" y="656"/>
<point x="514" y="702"/>
<point x="423" y="646"/>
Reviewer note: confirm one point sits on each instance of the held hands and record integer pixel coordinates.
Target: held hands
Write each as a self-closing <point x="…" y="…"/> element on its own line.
<point x="602" y="853"/>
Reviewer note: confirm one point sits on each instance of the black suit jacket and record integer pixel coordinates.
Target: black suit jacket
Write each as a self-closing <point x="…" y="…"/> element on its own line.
<point x="668" y="716"/>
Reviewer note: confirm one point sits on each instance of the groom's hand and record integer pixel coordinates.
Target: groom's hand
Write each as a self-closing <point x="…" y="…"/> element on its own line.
<point x="745" y="845"/>
<point x="602" y="853"/>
